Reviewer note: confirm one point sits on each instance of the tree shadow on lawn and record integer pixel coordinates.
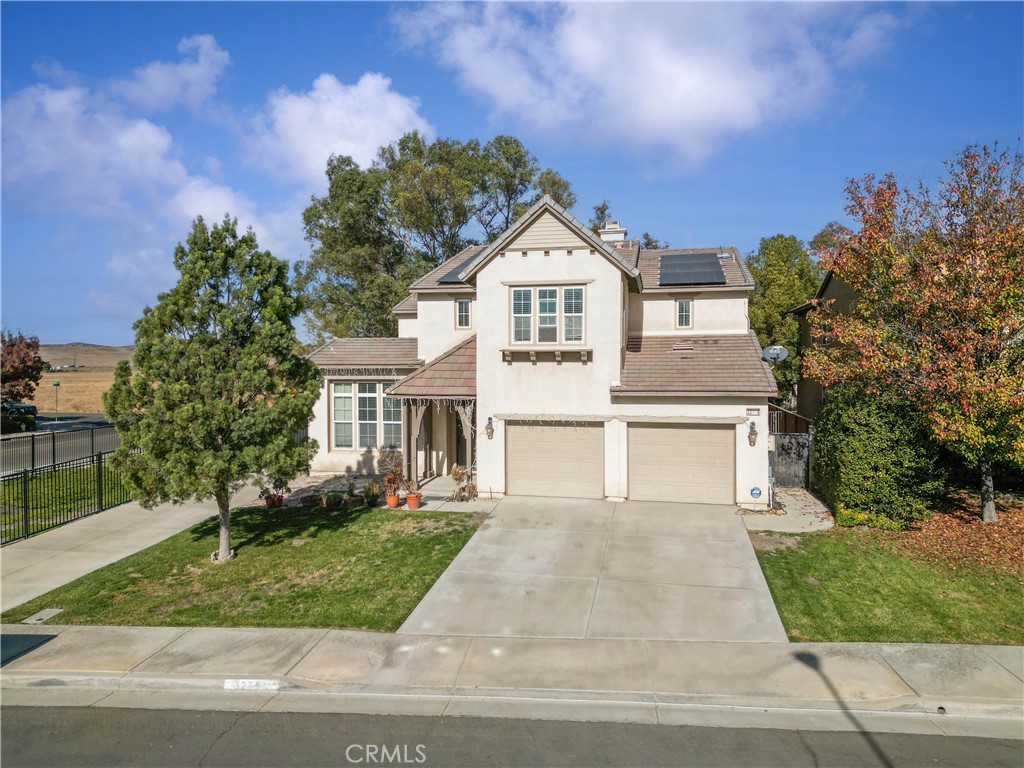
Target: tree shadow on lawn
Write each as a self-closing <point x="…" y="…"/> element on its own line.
<point x="264" y="527"/>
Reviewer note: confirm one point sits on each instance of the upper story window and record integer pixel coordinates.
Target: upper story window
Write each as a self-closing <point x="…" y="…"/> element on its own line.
<point x="463" y="319"/>
<point x="684" y="313"/>
<point x="549" y="315"/>
<point x="522" y="315"/>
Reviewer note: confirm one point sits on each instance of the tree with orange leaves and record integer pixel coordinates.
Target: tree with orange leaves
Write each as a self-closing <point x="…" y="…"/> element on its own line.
<point x="939" y="310"/>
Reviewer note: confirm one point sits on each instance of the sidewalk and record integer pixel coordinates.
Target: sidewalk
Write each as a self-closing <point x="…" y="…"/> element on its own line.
<point x="51" y="559"/>
<point x="940" y="689"/>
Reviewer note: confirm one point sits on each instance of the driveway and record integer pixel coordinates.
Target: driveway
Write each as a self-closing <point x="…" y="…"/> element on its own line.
<point x="578" y="568"/>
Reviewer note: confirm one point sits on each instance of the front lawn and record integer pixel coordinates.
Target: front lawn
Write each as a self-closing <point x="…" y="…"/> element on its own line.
<point x="365" y="568"/>
<point x="860" y="584"/>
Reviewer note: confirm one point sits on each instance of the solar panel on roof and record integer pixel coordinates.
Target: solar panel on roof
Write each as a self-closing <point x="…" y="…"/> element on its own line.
<point x="451" y="276"/>
<point x="691" y="269"/>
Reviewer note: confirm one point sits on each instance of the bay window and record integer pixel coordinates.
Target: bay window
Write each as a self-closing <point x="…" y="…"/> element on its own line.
<point x="363" y="417"/>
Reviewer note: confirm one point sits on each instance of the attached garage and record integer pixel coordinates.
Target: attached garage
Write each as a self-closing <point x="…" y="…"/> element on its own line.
<point x="555" y="460"/>
<point x="675" y="462"/>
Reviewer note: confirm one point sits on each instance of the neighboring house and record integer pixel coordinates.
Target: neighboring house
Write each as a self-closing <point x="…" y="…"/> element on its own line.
<point x="810" y="395"/>
<point x="560" y="363"/>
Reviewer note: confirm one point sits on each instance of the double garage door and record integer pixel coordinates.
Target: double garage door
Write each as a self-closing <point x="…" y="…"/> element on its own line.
<point x="667" y="462"/>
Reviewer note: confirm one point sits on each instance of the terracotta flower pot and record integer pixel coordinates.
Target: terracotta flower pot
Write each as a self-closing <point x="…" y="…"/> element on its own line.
<point x="413" y="500"/>
<point x="274" y="501"/>
<point x="392" y="500"/>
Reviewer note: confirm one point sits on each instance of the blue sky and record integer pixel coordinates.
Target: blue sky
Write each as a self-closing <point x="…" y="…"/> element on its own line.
<point x="703" y="124"/>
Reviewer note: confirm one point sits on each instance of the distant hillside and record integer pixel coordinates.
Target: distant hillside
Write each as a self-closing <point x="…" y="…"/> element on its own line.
<point x="81" y="354"/>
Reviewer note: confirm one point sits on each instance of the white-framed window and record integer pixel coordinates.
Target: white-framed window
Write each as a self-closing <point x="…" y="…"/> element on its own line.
<point x="463" y="319"/>
<point x="547" y="315"/>
<point x="522" y="315"/>
<point x="572" y="315"/>
<point x="558" y="316"/>
<point x="391" y="416"/>
<point x="363" y="417"/>
<point x="367" y="412"/>
<point x="684" y="313"/>
<point x="341" y="408"/>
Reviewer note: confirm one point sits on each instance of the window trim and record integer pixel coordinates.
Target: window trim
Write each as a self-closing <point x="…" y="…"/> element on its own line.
<point x="469" y="314"/>
<point x="689" y="312"/>
<point x="354" y="396"/>
<point x="560" y="315"/>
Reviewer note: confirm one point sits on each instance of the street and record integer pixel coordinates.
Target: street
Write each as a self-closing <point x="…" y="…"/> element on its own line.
<point x="96" y="736"/>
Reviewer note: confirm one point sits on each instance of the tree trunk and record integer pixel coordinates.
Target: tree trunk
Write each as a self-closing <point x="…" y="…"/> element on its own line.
<point x="224" y="517"/>
<point x="988" y="494"/>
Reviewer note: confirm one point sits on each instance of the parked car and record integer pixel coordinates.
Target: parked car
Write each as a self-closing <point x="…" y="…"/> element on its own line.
<point x="18" y="409"/>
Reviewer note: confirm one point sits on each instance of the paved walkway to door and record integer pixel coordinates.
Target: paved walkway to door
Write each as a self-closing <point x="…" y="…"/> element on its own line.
<point x="578" y="568"/>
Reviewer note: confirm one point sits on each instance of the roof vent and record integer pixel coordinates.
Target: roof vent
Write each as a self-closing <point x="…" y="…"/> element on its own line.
<point x="611" y="232"/>
<point x="682" y="346"/>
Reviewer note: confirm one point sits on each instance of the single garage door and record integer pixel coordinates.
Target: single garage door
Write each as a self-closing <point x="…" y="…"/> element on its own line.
<point x="673" y="462"/>
<point x="555" y="460"/>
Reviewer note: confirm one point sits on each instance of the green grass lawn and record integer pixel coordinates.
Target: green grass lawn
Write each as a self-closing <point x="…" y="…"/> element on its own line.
<point x="849" y="585"/>
<point x="365" y="568"/>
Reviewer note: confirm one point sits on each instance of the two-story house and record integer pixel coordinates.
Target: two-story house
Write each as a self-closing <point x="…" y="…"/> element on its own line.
<point x="561" y="363"/>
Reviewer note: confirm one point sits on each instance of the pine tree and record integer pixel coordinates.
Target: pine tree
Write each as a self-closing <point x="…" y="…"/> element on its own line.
<point x="214" y="394"/>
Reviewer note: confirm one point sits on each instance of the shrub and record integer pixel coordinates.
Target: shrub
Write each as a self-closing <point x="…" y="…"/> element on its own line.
<point x="874" y="461"/>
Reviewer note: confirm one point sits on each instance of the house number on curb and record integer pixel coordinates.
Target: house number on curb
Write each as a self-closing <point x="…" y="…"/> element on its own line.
<point x="755" y="493"/>
<point x="251" y="685"/>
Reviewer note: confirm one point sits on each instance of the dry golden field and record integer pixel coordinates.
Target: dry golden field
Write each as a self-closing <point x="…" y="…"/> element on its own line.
<point x="80" y="391"/>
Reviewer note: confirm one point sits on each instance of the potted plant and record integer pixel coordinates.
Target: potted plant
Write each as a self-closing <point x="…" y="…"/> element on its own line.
<point x="273" y="496"/>
<point x="371" y="492"/>
<point x="392" y="482"/>
<point x="413" y="497"/>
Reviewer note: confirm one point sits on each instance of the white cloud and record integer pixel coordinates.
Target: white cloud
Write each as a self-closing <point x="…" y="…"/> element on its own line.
<point x="297" y="132"/>
<point x="191" y="81"/>
<point x="682" y="76"/>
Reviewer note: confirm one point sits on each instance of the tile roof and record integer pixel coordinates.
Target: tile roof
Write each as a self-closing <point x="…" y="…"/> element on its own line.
<point x="695" y="364"/>
<point x="432" y="278"/>
<point x="367" y="353"/>
<point x="408" y="304"/>
<point x="736" y="274"/>
<point x="452" y="375"/>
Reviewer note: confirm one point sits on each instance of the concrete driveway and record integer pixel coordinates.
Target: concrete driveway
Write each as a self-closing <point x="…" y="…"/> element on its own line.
<point x="578" y="568"/>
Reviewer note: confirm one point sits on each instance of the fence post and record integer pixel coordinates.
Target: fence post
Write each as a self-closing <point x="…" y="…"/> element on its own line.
<point x="25" y="474"/>
<point x="99" y="482"/>
<point x="92" y="440"/>
<point x="32" y="463"/>
<point x="53" y="448"/>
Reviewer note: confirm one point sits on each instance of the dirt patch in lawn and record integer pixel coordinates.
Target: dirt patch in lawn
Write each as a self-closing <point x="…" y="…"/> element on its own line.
<point x="956" y="534"/>
<point x="769" y="542"/>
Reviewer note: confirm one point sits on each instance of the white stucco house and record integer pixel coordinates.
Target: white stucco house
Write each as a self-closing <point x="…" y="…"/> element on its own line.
<point x="560" y="363"/>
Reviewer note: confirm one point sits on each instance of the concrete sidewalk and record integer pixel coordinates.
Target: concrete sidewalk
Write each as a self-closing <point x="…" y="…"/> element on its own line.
<point x="51" y="559"/>
<point x="940" y="689"/>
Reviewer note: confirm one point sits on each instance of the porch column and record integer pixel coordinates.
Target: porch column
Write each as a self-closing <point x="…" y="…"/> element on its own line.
<point x="465" y="412"/>
<point x="415" y="422"/>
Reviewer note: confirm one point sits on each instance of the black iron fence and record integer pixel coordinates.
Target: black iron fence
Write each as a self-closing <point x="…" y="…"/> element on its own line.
<point x="43" y="449"/>
<point x="35" y="500"/>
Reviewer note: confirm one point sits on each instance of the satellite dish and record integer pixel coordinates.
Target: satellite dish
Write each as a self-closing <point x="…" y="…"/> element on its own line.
<point x="775" y="353"/>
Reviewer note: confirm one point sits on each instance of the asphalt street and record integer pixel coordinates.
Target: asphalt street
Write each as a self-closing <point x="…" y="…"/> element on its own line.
<point x="96" y="736"/>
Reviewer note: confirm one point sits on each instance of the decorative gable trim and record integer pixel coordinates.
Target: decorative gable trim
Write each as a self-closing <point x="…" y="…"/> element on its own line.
<point x="546" y="205"/>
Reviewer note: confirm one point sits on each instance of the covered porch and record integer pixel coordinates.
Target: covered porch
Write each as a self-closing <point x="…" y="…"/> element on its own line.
<point x="439" y="409"/>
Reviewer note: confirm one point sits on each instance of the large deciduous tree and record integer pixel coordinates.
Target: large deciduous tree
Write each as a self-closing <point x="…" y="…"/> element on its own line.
<point x="215" y="394"/>
<point x="22" y="366"/>
<point x="377" y="229"/>
<point x="785" y="276"/>
<point x="939" y="311"/>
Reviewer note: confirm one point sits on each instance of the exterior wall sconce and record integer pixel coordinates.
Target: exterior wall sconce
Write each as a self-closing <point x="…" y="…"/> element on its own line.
<point x="752" y="436"/>
<point x="489" y="429"/>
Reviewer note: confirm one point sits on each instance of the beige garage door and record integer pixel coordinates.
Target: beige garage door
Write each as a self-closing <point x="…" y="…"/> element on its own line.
<point x="672" y="462"/>
<point x="555" y="460"/>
